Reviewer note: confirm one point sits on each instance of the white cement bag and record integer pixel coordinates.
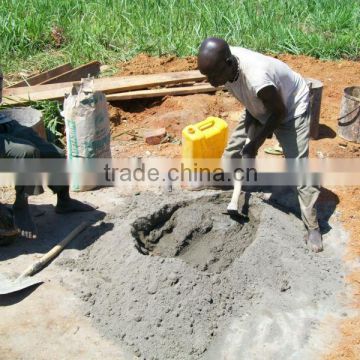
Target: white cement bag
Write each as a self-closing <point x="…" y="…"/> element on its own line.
<point x="87" y="126"/>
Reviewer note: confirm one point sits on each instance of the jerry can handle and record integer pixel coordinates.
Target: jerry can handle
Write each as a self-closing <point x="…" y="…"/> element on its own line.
<point x="207" y="124"/>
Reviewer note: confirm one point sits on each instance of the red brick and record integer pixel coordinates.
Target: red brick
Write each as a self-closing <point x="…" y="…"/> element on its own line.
<point x="155" y="136"/>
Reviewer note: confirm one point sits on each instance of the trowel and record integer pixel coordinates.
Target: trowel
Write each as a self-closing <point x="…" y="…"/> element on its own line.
<point x="24" y="281"/>
<point x="238" y="210"/>
<point x="233" y="206"/>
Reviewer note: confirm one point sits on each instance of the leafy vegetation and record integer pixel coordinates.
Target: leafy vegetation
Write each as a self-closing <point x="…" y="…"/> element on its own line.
<point x="38" y="34"/>
<point x="53" y="121"/>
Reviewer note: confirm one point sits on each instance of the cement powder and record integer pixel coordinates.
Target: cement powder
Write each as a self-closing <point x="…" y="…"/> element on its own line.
<point x="205" y="274"/>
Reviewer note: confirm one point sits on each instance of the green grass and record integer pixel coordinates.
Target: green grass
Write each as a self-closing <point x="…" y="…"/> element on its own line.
<point x="113" y="30"/>
<point x="53" y="121"/>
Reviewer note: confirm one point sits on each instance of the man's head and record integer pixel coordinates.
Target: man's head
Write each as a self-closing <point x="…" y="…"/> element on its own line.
<point x="216" y="62"/>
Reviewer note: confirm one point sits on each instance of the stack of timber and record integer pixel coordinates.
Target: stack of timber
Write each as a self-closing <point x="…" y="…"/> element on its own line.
<point x="54" y="84"/>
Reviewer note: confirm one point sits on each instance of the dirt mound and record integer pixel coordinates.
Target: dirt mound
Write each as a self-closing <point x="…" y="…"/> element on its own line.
<point x="171" y="113"/>
<point x="174" y="113"/>
<point x="173" y="306"/>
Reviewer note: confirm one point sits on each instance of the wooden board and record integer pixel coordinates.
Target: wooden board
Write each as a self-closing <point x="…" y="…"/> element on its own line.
<point x="38" y="88"/>
<point x="92" y="69"/>
<point x="40" y="78"/>
<point x="106" y="85"/>
<point x="184" y="90"/>
<point x="178" y="77"/>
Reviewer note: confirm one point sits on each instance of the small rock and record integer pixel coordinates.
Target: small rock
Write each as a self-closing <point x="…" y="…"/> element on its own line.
<point x="174" y="278"/>
<point x="138" y="318"/>
<point x="152" y="288"/>
<point x="137" y="353"/>
<point x="320" y="155"/>
<point x="285" y="286"/>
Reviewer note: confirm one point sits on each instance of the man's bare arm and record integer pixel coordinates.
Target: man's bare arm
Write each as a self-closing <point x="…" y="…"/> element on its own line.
<point x="274" y="104"/>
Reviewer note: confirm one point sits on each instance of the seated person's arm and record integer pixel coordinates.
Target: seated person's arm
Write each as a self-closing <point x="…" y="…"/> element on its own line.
<point x="274" y="104"/>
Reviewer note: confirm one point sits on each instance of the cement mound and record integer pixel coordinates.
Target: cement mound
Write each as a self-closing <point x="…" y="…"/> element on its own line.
<point x="196" y="232"/>
<point x="170" y="278"/>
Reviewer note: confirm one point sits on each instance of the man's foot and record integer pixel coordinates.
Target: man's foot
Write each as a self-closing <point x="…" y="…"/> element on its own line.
<point x="8" y="231"/>
<point x="24" y="222"/>
<point x="314" y="240"/>
<point x="71" y="205"/>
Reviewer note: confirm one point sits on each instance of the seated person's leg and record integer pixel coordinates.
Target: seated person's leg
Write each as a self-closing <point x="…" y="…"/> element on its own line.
<point x="8" y="230"/>
<point x="24" y="142"/>
<point x="48" y="150"/>
<point x="11" y="147"/>
<point x="15" y="148"/>
<point x="65" y="204"/>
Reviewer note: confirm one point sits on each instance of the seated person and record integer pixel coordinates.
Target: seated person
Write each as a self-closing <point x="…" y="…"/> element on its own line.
<point x="20" y="142"/>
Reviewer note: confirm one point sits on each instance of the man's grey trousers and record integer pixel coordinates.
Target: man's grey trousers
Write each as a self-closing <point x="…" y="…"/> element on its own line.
<point x="293" y="137"/>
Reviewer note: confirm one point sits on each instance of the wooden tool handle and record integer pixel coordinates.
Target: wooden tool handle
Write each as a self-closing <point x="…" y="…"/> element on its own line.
<point x="56" y="250"/>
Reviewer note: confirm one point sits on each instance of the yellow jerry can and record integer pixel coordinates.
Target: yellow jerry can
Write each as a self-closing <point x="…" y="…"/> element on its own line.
<point x="204" y="140"/>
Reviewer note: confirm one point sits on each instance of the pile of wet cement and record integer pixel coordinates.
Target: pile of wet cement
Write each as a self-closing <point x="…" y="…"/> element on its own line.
<point x="180" y="230"/>
<point x="203" y="269"/>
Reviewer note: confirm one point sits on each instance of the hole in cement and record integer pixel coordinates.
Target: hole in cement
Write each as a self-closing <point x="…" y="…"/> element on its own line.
<point x="196" y="232"/>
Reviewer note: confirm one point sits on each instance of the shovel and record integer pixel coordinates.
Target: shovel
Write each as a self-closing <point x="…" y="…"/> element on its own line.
<point x="24" y="281"/>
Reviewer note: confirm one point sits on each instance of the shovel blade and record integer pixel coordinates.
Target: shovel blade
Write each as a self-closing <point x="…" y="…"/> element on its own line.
<point x="8" y="286"/>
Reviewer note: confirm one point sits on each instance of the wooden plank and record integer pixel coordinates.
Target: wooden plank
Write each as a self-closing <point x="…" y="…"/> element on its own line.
<point x="106" y="85"/>
<point x="38" y="88"/>
<point x="92" y="69"/>
<point x="142" y="94"/>
<point x="183" y="76"/>
<point x="40" y="78"/>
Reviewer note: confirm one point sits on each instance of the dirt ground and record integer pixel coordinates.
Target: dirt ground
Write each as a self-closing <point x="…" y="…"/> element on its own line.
<point x="129" y="121"/>
<point x="174" y="113"/>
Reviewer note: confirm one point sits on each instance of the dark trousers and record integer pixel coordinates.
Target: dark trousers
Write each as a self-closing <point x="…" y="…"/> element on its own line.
<point x="20" y="142"/>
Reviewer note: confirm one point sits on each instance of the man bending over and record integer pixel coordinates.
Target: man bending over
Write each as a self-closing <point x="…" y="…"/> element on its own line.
<point x="276" y="100"/>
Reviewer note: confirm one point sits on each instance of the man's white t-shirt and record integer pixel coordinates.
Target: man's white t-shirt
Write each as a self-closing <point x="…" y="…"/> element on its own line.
<point x="257" y="71"/>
